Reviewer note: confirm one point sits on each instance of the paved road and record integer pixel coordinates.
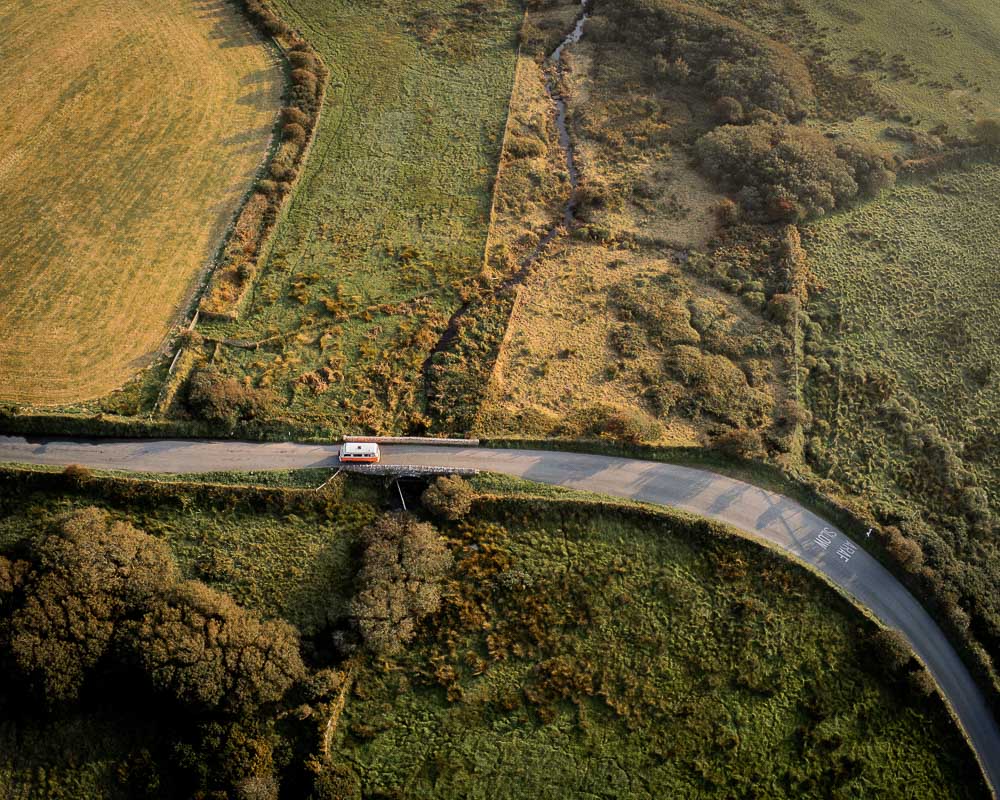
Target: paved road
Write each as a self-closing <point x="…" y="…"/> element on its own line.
<point x="763" y="514"/>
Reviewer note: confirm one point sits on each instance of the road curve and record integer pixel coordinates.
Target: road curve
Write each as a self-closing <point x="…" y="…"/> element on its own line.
<point x="763" y="514"/>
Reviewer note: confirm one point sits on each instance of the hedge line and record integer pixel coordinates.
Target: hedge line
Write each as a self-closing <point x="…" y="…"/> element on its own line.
<point x="138" y="493"/>
<point x="249" y="240"/>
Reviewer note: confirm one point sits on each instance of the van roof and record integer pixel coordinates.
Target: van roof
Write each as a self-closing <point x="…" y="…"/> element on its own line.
<point x="360" y="447"/>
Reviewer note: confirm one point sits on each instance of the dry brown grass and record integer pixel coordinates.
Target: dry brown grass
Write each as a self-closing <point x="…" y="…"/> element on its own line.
<point x="662" y="195"/>
<point x="557" y="356"/>
<point x="136" y="129"/>
<point x="559" y="353"/>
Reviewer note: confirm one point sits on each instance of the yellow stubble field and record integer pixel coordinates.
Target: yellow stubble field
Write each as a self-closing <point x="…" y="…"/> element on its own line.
<point x="132" y="131"/>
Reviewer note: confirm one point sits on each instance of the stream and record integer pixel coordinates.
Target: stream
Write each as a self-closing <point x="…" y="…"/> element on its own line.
<point x="551" y="86"/>
<point x="554" y="64"/>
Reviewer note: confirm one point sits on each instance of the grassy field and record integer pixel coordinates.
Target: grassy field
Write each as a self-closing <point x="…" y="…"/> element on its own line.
<point x="391" y="215"/>
<point x="576" y="646"/>
<point x="912" y="276"/>
<point x="934" y="62"/>
<point x="907" y="417"/>
<point x="584" y="654"/>
<point x="138" y="129"/>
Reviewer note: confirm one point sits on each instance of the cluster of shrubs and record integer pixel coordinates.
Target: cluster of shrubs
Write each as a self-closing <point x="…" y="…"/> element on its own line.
<point x="239" y="262"/>
<point x="605" y="421"/>
<point x="97" y="611"/>
<point x="701" y="359"/>
<point x="719" y="56"/>
<point x="937" y="552"/>
<point x="96" y="588"/>
<point x="265" y="19"/>
<point x="786" y="173"/>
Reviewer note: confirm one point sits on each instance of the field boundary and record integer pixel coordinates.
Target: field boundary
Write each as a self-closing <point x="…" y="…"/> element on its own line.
<point x="487" y="244"/>
<point x="214" y="304"/>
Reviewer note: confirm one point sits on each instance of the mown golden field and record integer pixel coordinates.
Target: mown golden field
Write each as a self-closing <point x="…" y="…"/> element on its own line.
<point x="138" y="128"/>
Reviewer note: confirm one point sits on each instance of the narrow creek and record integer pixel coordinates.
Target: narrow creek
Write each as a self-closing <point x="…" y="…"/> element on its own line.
<point x="552" y="87"/>
<point x="554" y="69"/>
<point x="555" y="74"/>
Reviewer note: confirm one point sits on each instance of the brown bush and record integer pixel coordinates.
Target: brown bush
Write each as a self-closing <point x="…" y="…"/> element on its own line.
<point x="783" y="308"/>
<point x="791" y="413"/>
<point x="903" y="550"/>
<point x="727" y="212"/>
<point x="987" y="131"/>
<point x="605" y="421"/>
<point x="294" y="132"/>
<point x="921" y="683"/>
<point x="728" y="110"/>
<point x="889" y="651"/>
<point x="303" y="77"/>
<point x="77" y="475"/>
<point x="283" y="173"/>
<point x="303" y="59"/>
<point x="12" y="576"/>
<point x="740" y="443"/>
<point x="294" y="116"/>
<point x="214" y="397"/>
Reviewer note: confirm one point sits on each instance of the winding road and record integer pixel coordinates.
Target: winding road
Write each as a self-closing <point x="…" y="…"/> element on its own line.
<point x="760" y="513"/>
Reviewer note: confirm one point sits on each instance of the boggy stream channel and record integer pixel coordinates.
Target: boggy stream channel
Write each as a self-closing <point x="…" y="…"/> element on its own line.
<point x="555" y="64"/>
<point x="555" y="72"/>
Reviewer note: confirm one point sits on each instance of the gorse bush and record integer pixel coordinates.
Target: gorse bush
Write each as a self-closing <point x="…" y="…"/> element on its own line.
<point x="449" y="497"/>
<point x="783" y="172"/>
<point x="720" y="56"/>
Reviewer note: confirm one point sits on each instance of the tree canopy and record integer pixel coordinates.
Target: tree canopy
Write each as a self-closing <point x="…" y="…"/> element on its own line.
<point x="403" y="566"/>
<point x="198" y="646"/>
<point x="89" y="576"/>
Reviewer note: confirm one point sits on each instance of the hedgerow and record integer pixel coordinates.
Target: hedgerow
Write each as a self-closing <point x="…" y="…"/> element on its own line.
<point x="239" y="263"/>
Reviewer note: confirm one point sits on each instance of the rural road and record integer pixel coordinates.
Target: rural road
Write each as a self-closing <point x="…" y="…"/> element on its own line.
<point x="763" y="514"/>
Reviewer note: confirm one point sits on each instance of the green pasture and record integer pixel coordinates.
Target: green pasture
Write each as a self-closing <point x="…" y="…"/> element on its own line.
<point x="390" y="220"/>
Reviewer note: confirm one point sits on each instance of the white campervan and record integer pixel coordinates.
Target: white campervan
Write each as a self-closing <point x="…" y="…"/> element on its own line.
<point x="364" y="452"/>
